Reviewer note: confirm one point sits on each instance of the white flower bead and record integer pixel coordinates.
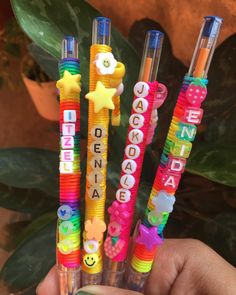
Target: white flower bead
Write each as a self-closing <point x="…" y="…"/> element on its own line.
<point x="105" y="63"/>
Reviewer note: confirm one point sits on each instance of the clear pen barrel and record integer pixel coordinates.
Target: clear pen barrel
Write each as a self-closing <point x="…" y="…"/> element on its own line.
<point x="205" y="47"/>
<point x="69" y="47"/>
<point x="101" y="31"/>
<point x="151" y="56"/>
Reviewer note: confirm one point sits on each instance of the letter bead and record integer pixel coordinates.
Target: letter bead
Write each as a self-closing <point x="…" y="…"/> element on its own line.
<point x="67" y="155"/>
<point x="136" y="121"/>
<point x="193" y="115"/>
<point x="97" y="147"/>
<point x="95" y="178"/>
<point x="127" y="181"/>
<point x="129" y="166"/>
<point x="98" y="132"/>
<point x="186" y="131"/>
<point x="66" y="167"/>
<point x="123" y="195"/>
<point x="69" y="116"/>
<point x="171" y="181"/>
<point x="132" y="151"/>
<point x="176" y="164"/>
<point x="135" y="136"/>
<point x="97" y="163"/>
<point x="68" y="129"/>
<point x="67" y="142"/>
<point x="140" y="105"/>
<point x="141" y="89"/>
<point x="95" y="193"/>
<point x="181" y="149"/>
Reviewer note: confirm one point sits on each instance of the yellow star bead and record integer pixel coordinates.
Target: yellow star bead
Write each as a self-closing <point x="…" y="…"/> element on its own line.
<point x="69" y="83"/>
<point x="101" y="97"/>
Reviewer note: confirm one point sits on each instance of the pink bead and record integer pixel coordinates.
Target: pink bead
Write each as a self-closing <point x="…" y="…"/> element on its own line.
<point x="193" y="115"/>
<point x="196" y="94"/>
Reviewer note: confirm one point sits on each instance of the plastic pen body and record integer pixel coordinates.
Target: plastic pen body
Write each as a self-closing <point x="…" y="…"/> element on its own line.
<point x="115" y="268"/>
<point x="92" y="264"/>
<point x="172" y="159"/>
<point x="68" y="226"/>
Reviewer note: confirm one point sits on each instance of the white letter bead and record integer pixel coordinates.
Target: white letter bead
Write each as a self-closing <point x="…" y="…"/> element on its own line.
<point x="135" y="136"/>
<point x="67" y="142"/>
<point x="123" y="195"/>
<point x="66" y="167"/>
<point x="127" y="181"/>
<point x="67" y="155"/>
<point x="95" y="178"/>
<point x="97" y="147"/>
<point x="132" y="151"/>
<point x="140" y="105"/>
<point x="129" y="166"/>
<point x="69" y="116"/>
<point x="68" y="129"/>
<point x="141" y="89"/>
<point x="136" y="121"/>
<point x="98" y="132"/>
<point x="97" y="163"/>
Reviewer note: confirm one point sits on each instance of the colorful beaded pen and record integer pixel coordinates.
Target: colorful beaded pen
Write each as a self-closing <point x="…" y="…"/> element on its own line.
<point x="105" y="88"/>
<point x="146" y="101"/>
<point x="187" y="114"/>
<point x="68" y="228"/>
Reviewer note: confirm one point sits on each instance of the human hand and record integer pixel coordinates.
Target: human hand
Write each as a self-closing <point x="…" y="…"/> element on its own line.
<point x="181" y="267"/>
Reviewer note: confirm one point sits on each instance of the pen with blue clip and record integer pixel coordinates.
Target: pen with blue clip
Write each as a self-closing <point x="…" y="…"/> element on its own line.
<point x="68" y="225"/>
<point x="122" y="209"/>
<point x="182" y="131"/>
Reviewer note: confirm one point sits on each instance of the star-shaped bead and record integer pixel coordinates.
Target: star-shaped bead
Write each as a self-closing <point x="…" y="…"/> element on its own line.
<point x="69" y="83"/>
<point x="101" y="97"/>
<point x="148" y="237"/>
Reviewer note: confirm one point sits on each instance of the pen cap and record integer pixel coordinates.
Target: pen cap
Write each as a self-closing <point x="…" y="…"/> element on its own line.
<point x="151" y="56"/>
<point x="205" y="47"/>
<point x="69" y="47"/>
<point x="101" y="31"/>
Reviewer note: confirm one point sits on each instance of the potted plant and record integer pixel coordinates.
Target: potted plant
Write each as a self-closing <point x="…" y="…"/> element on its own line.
<point x="41" y="89"/>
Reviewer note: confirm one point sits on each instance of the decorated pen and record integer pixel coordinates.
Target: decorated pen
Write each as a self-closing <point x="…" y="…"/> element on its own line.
<point x="187" y="114"/>
<point x="105" y="87"/>
<point x="68" y="225"/>
<point x="148" y="96"/>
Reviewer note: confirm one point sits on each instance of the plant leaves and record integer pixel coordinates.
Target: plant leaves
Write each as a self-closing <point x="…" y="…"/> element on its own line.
<point x="47" y="62"/>
<point x="216" y="163"/>
<point x="31" y="260"/>
<point x="29" y="201"/>
<point x="30" y="168"/>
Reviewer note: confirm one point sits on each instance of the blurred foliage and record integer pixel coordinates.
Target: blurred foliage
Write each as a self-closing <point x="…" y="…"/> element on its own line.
<point x="206" y="200"/>
<point x="12" y="43"/>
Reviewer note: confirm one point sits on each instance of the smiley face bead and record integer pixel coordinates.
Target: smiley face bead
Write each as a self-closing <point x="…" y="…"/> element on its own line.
<point x="90" y="260"/>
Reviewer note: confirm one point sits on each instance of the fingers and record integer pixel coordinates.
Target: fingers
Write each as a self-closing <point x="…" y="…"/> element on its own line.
<point x="103" y="290"/>
<point x="169" y="261"/>
<point x="50" y="285"/>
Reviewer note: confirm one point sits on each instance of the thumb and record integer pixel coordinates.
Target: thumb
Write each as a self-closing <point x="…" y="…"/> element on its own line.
<point x="104" y="290"/>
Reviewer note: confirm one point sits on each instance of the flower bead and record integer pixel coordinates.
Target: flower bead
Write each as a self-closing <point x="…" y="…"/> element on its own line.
<point x="119" y="212"/>
<point x="105" y="63"/>
<point x="95" y="229"/>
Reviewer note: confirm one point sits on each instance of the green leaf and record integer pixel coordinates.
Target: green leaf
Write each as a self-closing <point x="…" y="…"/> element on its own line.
<point x="29" y="201"/>
<point x="47" y="62"/>
<point x="46" y="27"/>
<point x="30" y="168"/>
<point x="31" y="260"/>
<point x="214" y="162"/>
<point x="35" y="226"/>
